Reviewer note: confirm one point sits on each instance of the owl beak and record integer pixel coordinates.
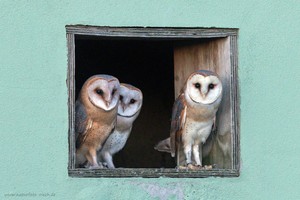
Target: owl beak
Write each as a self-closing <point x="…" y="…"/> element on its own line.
<point x="204" y="93"/>
<point x="107" y="100"/>
<point x="124" y="107"/>
<point x="107" y="103"/>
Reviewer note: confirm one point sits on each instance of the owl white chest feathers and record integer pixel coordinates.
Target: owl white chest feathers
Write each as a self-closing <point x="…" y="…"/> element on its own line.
<point x="198" y="123"/>
<point x="195" y="131"/>
<point x="116" y="141"/>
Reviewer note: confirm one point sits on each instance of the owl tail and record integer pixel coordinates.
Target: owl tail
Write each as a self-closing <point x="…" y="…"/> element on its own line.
<point x="164" y="146"/>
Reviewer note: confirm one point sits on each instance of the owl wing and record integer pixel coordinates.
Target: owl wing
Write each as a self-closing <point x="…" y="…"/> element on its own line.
<point x="163" y="146"/>
<point x="177" y="122"/>
<point x="82" y="123"/>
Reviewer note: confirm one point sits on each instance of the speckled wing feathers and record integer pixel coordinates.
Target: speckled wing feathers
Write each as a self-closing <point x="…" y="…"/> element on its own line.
<point x="81" y="123"/>
<point x="177" y="122"/>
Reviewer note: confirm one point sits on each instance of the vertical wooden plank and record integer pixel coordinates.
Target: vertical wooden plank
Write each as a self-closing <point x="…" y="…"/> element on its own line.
<point x="236" y="103"/>
<point x="221" y="153"/>
<point x="214" y="55"/>
<point x="71" y="99"/>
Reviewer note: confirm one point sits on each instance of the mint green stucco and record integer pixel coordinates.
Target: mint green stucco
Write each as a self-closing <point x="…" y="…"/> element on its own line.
<point x="34" y="114"/>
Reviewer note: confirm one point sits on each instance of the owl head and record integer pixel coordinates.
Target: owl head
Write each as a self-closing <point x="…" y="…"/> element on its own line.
<point x="102" y="91"/>
<point x="203" y="87"/>
<point x="130" y="101"/>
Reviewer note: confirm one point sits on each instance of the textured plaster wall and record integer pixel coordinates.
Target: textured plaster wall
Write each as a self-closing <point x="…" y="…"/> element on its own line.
<point x="33" y="105"/>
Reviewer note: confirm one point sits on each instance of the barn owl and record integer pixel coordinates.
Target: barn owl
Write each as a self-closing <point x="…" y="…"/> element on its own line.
<point x="95" y="117"/>
<point x="193" y="115"/>
<point x="130" y="103"/>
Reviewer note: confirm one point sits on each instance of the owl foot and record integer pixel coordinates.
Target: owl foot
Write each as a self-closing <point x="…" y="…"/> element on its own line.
<point x="210" y="166"/>
<point x="190" y="166"/>
<point x="207" y="167"/>
<point x="181" y="167"/>
<point x="95" y="167"/>
<point x="194" y="167"/>
<point x="99" y="166"/>
<point x="104" y="165"/>
<point x="197" y="167"/>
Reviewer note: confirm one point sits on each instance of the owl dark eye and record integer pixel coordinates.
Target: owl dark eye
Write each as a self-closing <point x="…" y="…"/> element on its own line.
<point x="197" y="85"/>
<point x="211" y="86"/>
<point x="132" y="101"/>
<point x="121" y="97"/>
<point x="114" y="91"/>
<point x="99" y="91"/>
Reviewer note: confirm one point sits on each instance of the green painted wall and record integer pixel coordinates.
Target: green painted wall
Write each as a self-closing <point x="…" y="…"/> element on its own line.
<point x="33" y="105"/>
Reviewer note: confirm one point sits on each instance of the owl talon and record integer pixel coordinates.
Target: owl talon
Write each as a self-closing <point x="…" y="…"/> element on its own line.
<point x="95" y="167"/>
<point x="207" y="166"/>
<point x="194" y="167"/>
<point x="190" y="166"/>
<point x="104" y="164"/>
<point x="181" y="167"/>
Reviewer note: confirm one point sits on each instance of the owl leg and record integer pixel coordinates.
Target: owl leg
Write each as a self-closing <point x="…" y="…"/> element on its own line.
<point x="108" y="159"/>
<point x="188" y="153"/>
<point x="80" y="158"/>
<point x="197" y="153"/>
<point x="92" y="158"/>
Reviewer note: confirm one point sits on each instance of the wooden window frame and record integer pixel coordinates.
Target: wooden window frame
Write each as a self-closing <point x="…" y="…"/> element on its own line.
<point x="148" y="33"/>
